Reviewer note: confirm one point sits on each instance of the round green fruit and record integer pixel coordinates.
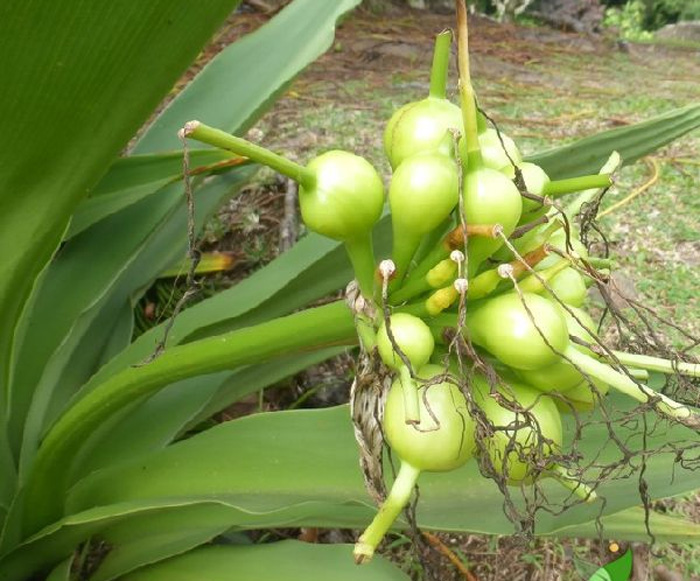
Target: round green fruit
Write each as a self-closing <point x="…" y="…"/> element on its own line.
<point x="346" y="198"/>
<point x="517" y="445"/>
<point x="420" y="127"/>
<point x="411" y="335"/>
<point x="490" y="198"/>
<point x="570" y="287"/>
<point x="431" y="446"/>
<point x="504" y="327"/>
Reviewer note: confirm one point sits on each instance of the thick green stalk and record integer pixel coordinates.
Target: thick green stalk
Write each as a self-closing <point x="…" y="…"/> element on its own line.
<point x="331" y="324"/>
<point x="211" y="136"/>
<point x="361" y="253"/>
<point x="577" y="184"/>
<point x="409" y="390"/>
<point x="610" y="166"/>
<point x="624" y="384"/>
<point x="398" y="498"/>
<point x="441" y="61"/>
<point x="569" y="481"/>
<point x="466" y="90"/>
<point x="658" y="364"/>
<point x="404" y="247"/>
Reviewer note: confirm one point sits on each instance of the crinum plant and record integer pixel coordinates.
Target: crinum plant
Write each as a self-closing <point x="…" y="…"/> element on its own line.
<point x="103" y="475"/>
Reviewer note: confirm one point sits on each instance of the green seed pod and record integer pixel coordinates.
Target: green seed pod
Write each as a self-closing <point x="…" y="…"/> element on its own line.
<point x="416" y="341"/>
<point x="435" y="446"/>
<point x="412" y="336"/>
<point x="502" y="326"/>
<point x="570" y="287"/>
<point x="516" y="444"/>
<point x="535" y="180"/>
<point x="558" y="240"/>
<point x="430" y="446"/>
<point x="346" y="198"/>
<point x="420" y="127"/>
<point x="493" y="154"/>
<point x="489" y="198"/>
<point x="424" y="190"/>
<point x="562" y="376"/>
<point x="492" y="151"/>
<point x="581" y="397"/>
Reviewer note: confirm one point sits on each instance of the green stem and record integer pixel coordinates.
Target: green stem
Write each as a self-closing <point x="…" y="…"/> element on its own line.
<point x="211" y="136"/>
<point x="403" y="249"/>
<point x="331" y="324"/>
<point x="409" y="390"/>
<point x="533" y="284"/>
<point x="397" y="500"/>
<point x="658" y="364"/>
<point x="466" y="90"/>
<point x="441" y="62"/>
<point x="624" y="384"/>
<point x="416" y="309"/>
<point x="577" y="184"/>
<point x="600" y="262"/>
<point x="569" y="481"/>
<point x="612" y="164"/>
<point x="361" y="253"/>
<point x="640" y="374"/>
<point x="433" y="238"/>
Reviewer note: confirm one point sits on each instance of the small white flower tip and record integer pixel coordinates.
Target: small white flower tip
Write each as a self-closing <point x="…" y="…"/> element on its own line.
<point x="387" y="268"/>
<point x="457" y="256"/>
<point x="505" y="270"/>
<point x="461" y="285"/>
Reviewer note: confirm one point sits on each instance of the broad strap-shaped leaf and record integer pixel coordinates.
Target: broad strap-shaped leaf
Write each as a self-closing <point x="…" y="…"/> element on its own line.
<point x="148" y="537"/>
<point x="132" y="178"/>
<point x="288" y="560"/>
<point x="308" y="460"/>
<point x="629" y="525"/>
<point x="81" y="86"/>
<point x="235" y="88"/>
<point x="50" y="476"/>
<point x="587" y="155"/>
<point x="314" y="267"/>
<point x="166" y="245"/>
<point x="110" y="266"/>
<point x="62" y="572"/>
<point x="137" y="532"/>
<point x="186" y="404"/>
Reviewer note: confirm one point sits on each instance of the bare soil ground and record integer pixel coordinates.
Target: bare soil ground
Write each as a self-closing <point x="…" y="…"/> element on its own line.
<point x="544" y="87"/>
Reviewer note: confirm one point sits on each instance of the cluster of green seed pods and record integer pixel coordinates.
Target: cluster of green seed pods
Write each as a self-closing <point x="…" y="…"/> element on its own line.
<point x="477" y="247"/>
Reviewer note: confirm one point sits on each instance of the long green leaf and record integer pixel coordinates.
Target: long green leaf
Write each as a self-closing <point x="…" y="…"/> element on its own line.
<point x="629" y="525"/>
<point x="81" y="86"/>
<point x="311" y="269"/>
<point x="123" y="279"/>
<point x="311" y="329"/>
<point x="289" y="560"/>
<point x="133" y="178"/>
<point x="184" y="405"/>
<point x="120" y="265"/>
<point x="293" y="460"/>
<point x="61" y="572"/>
<point x="148" y="538"/>
<point x="234" y="88"/>
<point x="587" y="155"/>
